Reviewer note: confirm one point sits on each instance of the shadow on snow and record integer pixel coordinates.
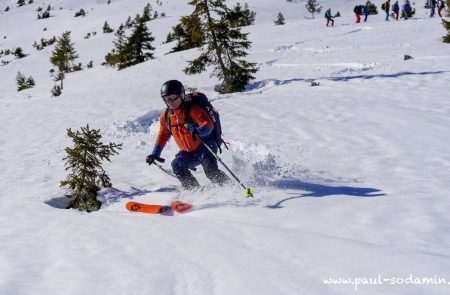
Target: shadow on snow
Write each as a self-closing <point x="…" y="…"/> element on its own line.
<point x="321" y="190"/>
<point x="276" y="82"/>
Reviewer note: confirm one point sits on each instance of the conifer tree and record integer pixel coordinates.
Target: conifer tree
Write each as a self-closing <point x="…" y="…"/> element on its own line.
<point x="137" y="48"/>
<point x="107" y="29"/>
<point x="23" y="82"/>
<point x="188" y="33"/>
<point x="117" y="55"/>
<point x="224" y="47"/>
<point x="313" y="7"/>
<point x="146" y="14"/>
<point x="239" y="17"/>
<point x="280" y="19"/>
<point x="446" y="24"/>
<point x="18" y="52"/>
<point x="86" y="173"/>
<point x="63" y="56"/>
<point x="20" y="3"/>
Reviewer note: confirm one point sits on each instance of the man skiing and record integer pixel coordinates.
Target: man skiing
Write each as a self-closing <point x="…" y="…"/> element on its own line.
<point x="192" y="151"/>
<point x="329" y="17"/>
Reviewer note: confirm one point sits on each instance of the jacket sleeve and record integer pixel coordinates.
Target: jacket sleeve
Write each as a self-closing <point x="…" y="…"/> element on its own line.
<point x="162" y="137"/>
<point x="202" y="120"/>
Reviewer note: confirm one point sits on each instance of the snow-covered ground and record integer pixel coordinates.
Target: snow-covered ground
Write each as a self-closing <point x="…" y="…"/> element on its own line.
<point x="351" y="177"/>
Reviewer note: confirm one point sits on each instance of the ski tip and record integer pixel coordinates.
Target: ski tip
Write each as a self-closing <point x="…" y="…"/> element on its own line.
<point x="180" y="207"/>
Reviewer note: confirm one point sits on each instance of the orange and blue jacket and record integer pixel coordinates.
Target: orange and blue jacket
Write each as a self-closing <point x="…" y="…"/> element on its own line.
<point x="181" y="135"/>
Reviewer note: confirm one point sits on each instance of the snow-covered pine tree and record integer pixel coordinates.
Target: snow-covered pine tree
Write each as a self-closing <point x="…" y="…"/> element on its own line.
<point x="86" y="173"/>
<point x="63" y="56"/>
<point x="20" y="3"/>
<point x="313" y="7"/>
<point x="279" y="21"/>
<point x="224" y="47"/>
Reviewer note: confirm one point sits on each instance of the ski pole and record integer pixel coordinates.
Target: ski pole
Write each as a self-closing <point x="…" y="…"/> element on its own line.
<point x="248" y="191"/>
<point x="161" y="160"/>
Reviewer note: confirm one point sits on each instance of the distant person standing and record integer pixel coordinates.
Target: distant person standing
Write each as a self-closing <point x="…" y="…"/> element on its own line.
<point x="386" y="7"/>
<point x="432" y="7"/>
<point x="357" y="11"/>
<point x="441" y="7"/>
<point x="366" y="11"/>
<point x="396" y="9"/>
<point x="407" y="10"/>
<point x="329" y="17"/>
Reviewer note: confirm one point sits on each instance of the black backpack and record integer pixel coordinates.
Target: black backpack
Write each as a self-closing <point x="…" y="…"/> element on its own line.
<point x="200" y="99"/>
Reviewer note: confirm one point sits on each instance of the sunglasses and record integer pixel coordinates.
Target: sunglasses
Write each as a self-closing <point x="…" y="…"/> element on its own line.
<point x="171" y="99"/>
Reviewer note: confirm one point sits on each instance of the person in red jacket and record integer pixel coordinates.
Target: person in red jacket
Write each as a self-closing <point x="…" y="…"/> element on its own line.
<point x="192" y="152"/>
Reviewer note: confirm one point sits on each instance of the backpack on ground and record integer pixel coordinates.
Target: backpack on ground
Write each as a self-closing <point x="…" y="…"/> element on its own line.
<point x="200" y="99"/>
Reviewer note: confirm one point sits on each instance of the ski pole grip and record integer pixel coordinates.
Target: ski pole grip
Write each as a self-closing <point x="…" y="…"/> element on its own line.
<point x="161" y="160"/>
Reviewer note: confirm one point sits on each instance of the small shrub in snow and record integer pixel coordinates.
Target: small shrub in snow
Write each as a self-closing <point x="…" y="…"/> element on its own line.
<point x="56" y="90"/>
<point x="406" y="57"/>
<point x="90" y="65"/>
<point x="81" y="12"/>
<point x="7" y="9"/>
<point x="19" y="53"/>
<point x="314" y="83"/>
<point x="86" y="173"/>
<point x="313" y="7"/>
<point x="20" y="3"/>
<point x="107" y="29"/>
<point x="279" y="21"/>
<point x="44" y="15"/>
<point x="23" y="82"/>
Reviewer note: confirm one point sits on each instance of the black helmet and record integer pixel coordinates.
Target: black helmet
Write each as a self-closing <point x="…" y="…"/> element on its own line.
<point x="172" y="87"/>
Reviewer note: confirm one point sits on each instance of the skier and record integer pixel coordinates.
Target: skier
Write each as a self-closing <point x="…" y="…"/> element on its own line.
<point x="357" y="11"/>
<point x="329" y="17"/>
<point x="192" y="152"/>
<point x="396" y="9"/>
<point x="441" y="7"/>
<point x="433" y="7"/>
<point x="366" y="11"/>
<point x="386" y="6"/>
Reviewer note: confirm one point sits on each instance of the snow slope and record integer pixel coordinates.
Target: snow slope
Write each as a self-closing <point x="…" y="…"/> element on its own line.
<point x="351" y="177"/>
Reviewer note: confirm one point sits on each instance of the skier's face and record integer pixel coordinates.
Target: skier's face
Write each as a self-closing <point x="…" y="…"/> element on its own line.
<point x="173" y="101"/>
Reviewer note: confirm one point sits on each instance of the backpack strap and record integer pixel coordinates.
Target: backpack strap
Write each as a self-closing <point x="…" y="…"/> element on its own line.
<point x="166" y="114"/>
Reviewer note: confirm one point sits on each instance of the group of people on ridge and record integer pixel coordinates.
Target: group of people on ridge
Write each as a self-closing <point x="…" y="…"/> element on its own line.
<point x="406" y="10"/>
<point x="440" y="4"/>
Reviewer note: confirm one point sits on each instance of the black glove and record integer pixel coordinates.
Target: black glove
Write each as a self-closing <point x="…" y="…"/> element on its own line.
<point x="150" y="159"/>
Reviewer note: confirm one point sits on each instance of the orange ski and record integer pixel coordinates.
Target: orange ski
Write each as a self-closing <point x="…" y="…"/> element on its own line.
<point x="145" y="208"/>
<point x="180" y="207"/>
<point x="176" y="206"/>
